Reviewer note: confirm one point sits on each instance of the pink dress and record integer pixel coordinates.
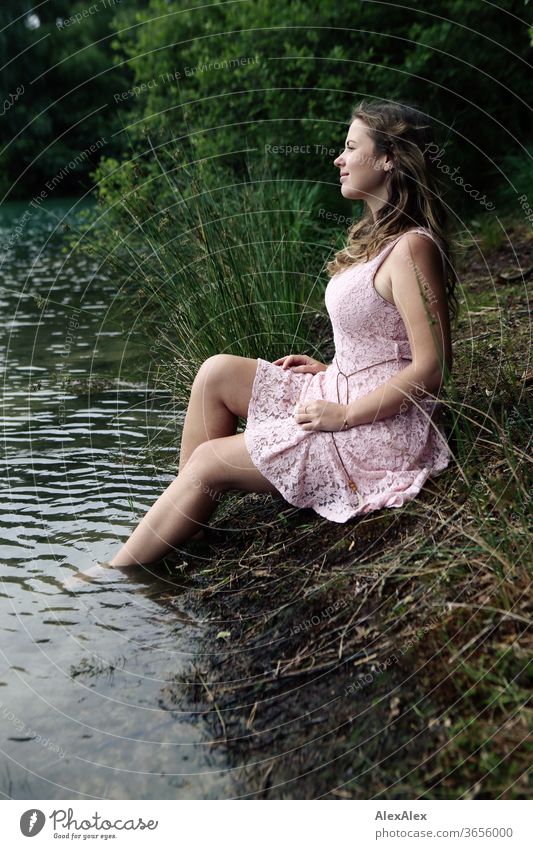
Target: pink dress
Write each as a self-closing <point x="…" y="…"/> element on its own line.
<point x="380" y="464"/>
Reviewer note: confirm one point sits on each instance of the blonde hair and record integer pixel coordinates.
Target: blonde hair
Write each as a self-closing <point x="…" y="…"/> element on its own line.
<point x="414" y="198"/>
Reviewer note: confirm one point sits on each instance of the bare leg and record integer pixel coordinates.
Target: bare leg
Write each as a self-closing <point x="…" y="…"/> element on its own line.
<point x="214" y="466"/>
<point x="176" y="515"/>
<point x="221" y="392"/>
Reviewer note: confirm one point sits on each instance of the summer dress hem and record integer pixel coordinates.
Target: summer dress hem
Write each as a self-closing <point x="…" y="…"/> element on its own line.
<point x="371" y="502"/>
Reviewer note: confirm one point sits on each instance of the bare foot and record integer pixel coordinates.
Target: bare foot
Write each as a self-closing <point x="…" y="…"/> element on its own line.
<point x="104" y="571"/>
<point x="92" y="575"/>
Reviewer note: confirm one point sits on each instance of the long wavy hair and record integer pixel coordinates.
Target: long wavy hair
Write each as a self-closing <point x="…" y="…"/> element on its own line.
<point x="414" y="190"/>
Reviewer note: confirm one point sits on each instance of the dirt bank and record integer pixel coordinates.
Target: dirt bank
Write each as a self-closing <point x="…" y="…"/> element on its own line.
<point x="385" y="658"/>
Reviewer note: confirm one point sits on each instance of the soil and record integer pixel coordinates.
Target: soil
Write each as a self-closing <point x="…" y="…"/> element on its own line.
<point x="326" y="673"/>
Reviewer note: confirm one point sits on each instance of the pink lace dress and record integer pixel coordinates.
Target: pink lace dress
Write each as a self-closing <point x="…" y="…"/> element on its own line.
<point x="380" y="464"/>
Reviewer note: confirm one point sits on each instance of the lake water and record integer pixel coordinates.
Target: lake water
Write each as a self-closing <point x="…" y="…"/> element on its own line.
<point x="87" y="447"/>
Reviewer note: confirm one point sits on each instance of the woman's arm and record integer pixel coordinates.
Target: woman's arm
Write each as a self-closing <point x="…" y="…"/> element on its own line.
<point x="419" y="292"/>
<point x="393" y="396"/>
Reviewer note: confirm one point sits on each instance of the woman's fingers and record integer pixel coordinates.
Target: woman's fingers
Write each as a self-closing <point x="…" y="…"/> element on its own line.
<point x="299" y="360"/>
<point x="290" y="358"/>
<point x="289" y="361"/>
<point x="300" y="363"/>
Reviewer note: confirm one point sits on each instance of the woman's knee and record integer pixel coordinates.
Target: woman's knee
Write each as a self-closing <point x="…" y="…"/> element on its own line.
<point x="206" y="470"/>
<point x="214" y="367"/>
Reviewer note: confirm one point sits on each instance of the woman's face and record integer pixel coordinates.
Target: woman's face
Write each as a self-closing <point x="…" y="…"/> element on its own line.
<point x="366" y="174"/>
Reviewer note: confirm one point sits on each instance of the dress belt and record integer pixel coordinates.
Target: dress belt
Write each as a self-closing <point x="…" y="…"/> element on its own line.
<point x="390" y="360"/>
<point x="351" y="483"/>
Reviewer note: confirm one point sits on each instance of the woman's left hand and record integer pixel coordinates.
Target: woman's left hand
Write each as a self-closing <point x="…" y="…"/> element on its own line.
<point x="320" y="415"/>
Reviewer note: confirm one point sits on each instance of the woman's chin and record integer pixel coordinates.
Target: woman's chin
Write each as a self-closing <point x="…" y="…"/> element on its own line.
<point x="349" y="193"/>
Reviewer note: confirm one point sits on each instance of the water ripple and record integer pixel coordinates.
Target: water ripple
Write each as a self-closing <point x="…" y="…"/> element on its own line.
<point x="88" y="446"/>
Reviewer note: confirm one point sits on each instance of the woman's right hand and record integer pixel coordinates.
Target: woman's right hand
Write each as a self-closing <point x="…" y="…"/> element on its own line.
<point x="300" y="363"/>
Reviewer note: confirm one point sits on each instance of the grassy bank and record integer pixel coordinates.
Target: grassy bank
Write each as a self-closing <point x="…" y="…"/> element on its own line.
<point x="387" y="657"/>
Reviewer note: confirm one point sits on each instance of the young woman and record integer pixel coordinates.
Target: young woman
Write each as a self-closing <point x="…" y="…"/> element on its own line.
<point x="362" y="432"/>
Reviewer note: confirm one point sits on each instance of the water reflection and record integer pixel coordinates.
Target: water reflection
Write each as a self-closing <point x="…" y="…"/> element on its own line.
<point x="88" y="448"/>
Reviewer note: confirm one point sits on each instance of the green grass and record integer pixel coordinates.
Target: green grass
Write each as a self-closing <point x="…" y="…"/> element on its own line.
<point x="206" y="269"/>
<point x="450" y="717"/>
<point x="207" y="264"/>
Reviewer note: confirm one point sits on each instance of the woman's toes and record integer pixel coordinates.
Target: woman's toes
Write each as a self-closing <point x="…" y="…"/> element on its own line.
<point x="94" y="573"/>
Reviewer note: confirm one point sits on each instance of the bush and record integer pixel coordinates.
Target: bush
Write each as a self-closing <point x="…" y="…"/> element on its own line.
<point x="238" y="76"/>
<point x="209" y="264"/>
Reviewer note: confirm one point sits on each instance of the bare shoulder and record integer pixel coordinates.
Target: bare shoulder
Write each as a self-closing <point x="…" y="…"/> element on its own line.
<point x="418" y="253"/>
<point x="418" y="286"/>
<point x="420" y="249"/>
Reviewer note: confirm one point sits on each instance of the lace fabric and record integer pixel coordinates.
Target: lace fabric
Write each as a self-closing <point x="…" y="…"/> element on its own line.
<point x="380" y="464"/>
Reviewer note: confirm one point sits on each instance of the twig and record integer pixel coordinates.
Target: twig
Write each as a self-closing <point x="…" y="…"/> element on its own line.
<point x="506" y="614"/>
<point x="483" y="631"/>
<point x="212" y="699"/>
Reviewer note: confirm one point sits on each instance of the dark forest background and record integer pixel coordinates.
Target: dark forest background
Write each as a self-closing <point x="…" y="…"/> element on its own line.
<point x="234" y="76"/>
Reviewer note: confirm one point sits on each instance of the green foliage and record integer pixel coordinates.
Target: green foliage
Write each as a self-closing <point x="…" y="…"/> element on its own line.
<point x="207" y="263"/>
<point x="518" y="181"/>
<point x="239" y="76"/>
<point x="65" y="73"/>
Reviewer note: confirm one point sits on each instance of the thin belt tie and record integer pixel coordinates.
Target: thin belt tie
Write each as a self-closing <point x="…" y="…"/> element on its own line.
<point x="351" y="483"/>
